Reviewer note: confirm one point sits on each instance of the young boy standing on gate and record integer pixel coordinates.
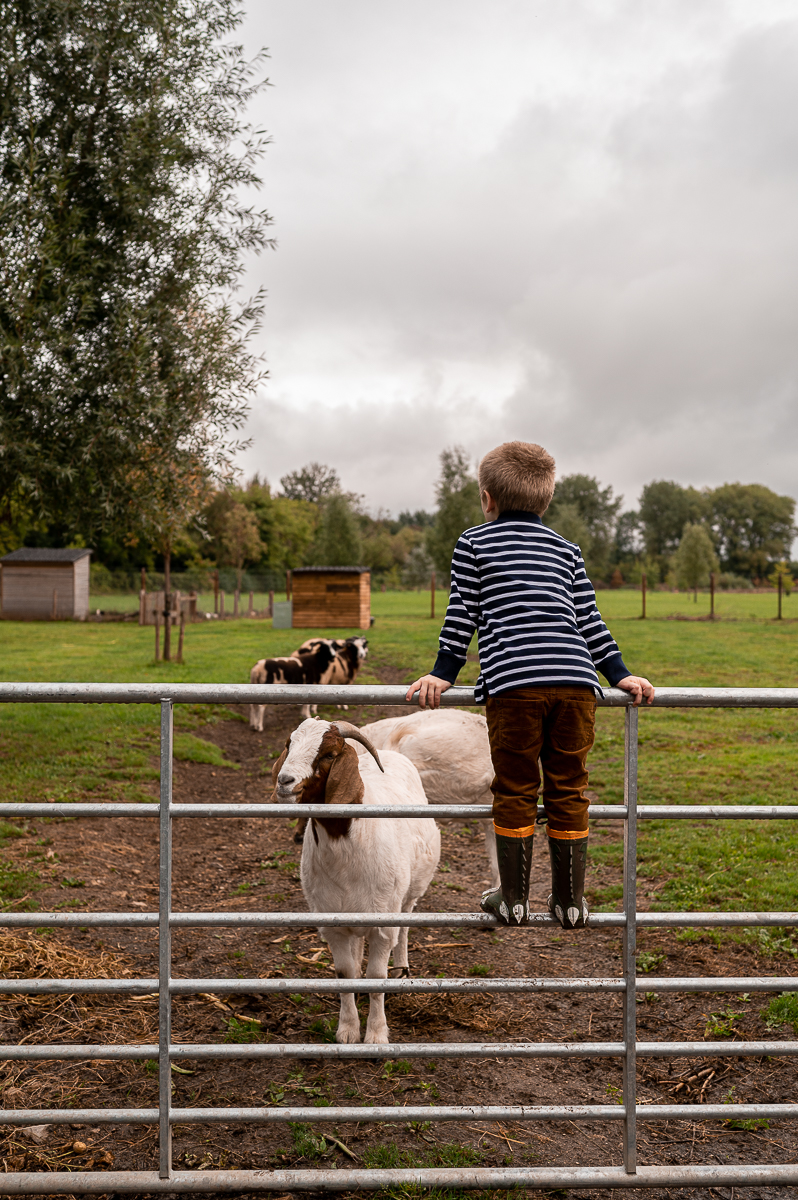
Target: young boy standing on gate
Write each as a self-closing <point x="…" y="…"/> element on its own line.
<point x="541" y="638"/>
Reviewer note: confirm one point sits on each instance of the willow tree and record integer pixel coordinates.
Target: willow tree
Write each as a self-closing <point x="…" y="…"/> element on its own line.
<point x="124" y="156"/>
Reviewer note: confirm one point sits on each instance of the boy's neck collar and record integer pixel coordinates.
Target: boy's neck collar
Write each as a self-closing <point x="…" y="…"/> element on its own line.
<point x="515" y="514"/>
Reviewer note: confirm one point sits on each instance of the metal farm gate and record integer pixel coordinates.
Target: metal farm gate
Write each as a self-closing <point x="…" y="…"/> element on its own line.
<point x="167" y="1179"/>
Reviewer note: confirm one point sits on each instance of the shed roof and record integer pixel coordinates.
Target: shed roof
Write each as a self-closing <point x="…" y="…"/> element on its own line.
<point x="39" y="554"/>
<point x="330" y="570"/>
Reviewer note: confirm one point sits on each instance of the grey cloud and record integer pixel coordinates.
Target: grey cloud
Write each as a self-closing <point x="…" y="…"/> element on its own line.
<point x="608" y="265"/>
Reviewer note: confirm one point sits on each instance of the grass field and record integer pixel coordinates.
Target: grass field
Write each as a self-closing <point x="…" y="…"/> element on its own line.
<point x="687" y="756"/>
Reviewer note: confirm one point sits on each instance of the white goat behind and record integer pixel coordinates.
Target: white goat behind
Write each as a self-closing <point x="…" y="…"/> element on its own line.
<point x="358" y="864"/>
<point x="451" y="751"/>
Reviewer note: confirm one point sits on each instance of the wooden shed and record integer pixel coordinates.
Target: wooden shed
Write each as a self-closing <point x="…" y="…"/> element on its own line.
<point x="45" y="585"/>
<point x="331" y="597"/>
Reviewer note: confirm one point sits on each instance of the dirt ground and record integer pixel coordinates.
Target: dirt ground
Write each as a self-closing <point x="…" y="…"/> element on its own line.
<point x="252" y="864"/>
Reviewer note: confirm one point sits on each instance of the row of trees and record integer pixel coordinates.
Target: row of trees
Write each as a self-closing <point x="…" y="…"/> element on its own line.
<point x="677" y="534"/>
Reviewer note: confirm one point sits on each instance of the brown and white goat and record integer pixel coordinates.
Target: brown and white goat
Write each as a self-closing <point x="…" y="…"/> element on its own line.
<point x="451" y="753"/>
<point x="358" y="864"/>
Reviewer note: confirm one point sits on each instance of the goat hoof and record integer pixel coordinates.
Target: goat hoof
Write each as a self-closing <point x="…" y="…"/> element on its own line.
<point x="377" y="1039"/>
<point x="347" y="1034"/>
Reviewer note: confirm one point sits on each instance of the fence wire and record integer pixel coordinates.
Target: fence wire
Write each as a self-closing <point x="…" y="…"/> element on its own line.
<point x="627" y="985"/>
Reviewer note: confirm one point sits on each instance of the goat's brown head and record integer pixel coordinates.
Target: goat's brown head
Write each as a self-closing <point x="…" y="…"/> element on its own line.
<point x="317" y="766"/>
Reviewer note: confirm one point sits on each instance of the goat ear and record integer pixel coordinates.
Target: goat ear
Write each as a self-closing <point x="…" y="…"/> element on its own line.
<point x="344" y="783"/>
<point x="278" y="766"/>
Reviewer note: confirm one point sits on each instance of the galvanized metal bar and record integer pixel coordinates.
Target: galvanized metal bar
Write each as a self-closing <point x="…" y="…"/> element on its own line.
<point x="186" y="987"/>
<point x="481" y="812"/>
<point x="38" y="920"/>
<point x="629" y="954"/>
<point x="362" y="1050"/>
<point x="183" y="1051"/>
<point x="165" y="945"/>
<point x="20" y="809"/>
<point x="86" y="1116"/>
<point x="63" y="987"/>
<point x="360" y="1179"/>
<point x="445" y="812"/>
<point x="716" y="812"/>
<point x="90" y="1052"/>
<point x="379" y="1113"/>
<point x="377" y="694"/>
<point x="195" y="920"/>
<point x="491" y="1112"/>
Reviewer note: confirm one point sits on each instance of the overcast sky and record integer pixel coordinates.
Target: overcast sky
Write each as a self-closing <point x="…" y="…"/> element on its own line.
<point x="573" y="223"/>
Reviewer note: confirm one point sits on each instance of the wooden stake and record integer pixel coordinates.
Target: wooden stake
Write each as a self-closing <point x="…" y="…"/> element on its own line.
<point x="180" y="638"/>
<point x="432" y="596"/>
<point x="271" y="604"/>
<point x="221" y="606"/>
<point x="252" y="604"/>
<point x="167" y="606"/>
<point x="216" y="592"/>
<point x="288" y="583"/>
<point x="643" y="582"/>
<point x="157" y="636"/>
<point x="780" y="583"/>
<point x="143" y="580"/>
<point x="712" y="595"/>
<point x="236" y="595"/>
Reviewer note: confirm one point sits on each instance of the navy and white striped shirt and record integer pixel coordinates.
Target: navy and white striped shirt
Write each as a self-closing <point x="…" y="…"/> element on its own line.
<point x="525" y="589"/>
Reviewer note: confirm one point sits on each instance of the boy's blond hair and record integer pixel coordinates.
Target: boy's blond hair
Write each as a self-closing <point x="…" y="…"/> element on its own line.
<point x="519" y="476"/>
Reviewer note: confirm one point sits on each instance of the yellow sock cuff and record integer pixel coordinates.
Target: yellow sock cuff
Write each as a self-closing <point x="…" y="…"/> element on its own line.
<point x="568" y="835"/>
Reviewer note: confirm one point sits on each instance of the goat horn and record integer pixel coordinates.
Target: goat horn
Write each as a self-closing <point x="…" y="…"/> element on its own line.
<point x="346" y="730"/>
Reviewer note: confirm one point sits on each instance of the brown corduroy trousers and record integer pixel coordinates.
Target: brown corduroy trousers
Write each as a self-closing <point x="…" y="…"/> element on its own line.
<point x="554" y="725"/>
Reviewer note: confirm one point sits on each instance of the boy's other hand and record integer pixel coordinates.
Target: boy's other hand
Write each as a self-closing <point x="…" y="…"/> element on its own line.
<point x="639" y="687"/>
<point x="430" y="689"/>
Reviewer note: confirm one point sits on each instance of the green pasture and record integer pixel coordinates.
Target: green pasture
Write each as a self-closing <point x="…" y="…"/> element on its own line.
<point x="67" y="752"/>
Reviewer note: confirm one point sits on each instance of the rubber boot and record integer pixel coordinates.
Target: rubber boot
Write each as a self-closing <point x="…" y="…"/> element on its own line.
<point x="567" y="902"/>
<point x="510" y="903"/>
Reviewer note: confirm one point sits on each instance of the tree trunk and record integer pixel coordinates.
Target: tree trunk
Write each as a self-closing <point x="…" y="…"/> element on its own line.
<point x="167" y="605"/>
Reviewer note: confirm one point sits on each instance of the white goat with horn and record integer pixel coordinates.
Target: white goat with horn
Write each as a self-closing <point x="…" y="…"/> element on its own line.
<point x="358" y="864"/>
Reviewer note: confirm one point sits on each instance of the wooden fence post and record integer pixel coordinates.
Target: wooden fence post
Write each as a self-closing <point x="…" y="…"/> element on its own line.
<point x="55" y="605"/>
<point x="643" y="582"/>
<point x="288" y="585"/>
<point x="271" y="604"/>
<point x="780" y="585"/>
<point x="252" y="604"/>
<point x="236" y="595"/>
<point x="712" y="595"/>
<point x="180" y="638"/>
<point x="221" y="606"/>
<point x="432" y="595"/>
<point x="157" y="636"/>
<point x="143" y="580"/>
<point x="216" y="592"/>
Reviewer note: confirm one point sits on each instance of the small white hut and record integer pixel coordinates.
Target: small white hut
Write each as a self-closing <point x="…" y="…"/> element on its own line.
<point x="45" y="585"/>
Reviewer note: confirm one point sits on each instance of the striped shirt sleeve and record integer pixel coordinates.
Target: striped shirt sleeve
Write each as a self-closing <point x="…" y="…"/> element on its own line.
<point x="601" y="645"/>
<point x="462" y="613"/>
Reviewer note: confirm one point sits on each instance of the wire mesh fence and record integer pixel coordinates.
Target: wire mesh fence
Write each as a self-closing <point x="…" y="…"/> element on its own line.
<point x="626" y="984"/>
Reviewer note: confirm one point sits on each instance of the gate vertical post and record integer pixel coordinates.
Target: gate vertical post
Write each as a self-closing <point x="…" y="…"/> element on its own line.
<point x="165" y="946"/>
<point x="630" y="942"/>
